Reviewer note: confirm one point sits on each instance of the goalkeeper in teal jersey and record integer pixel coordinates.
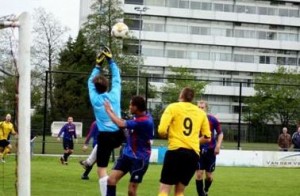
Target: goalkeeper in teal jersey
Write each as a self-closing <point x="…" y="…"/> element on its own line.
<point x="110" y="136"/>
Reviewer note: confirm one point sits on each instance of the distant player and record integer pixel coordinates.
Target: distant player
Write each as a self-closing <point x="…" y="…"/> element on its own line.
<point x="207" y="161"/>
<point x="182" y="123"/>
<point x="6" y="128"/>
<point x="69" y="132"/>
<point x="136" y="152"/>
<point x="91" y="160"/>
<point x="110" y="136"/>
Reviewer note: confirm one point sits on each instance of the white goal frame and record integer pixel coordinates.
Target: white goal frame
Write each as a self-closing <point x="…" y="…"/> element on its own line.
<point x="24" y="68"/>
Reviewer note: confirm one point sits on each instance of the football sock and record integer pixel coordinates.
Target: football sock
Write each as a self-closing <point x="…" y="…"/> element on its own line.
<point x="65" y="157"/>
<point x="87" y="171"/>
<point x="199" y="185"/>
<point x="111" y="190"/>
<point x="207" y="184"/>
<point x="103" y="185"/>
<point x="162" y="194"/>
<point x="92" y="157"/>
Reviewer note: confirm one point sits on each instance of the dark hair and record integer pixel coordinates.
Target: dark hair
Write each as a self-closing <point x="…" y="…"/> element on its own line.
<point x="139" y="102"/>
<point x="101" y="83"/>
<point x="187" y="94"/>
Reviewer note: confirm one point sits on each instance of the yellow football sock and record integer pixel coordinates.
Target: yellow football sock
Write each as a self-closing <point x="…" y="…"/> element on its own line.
<point x="162" y="194"/>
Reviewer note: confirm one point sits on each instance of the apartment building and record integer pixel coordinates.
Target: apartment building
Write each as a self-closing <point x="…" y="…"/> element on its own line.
<point x="227" y="41"/>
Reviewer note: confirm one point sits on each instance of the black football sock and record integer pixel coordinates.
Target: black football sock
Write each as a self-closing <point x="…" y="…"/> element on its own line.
<point x="111" y="190"/>
<point x="68" y="154"/>
<point x="65" y="156"/>
<point x="199" y="185"/>
<point x="207" y="184"/>
<point x="87" y="171"/>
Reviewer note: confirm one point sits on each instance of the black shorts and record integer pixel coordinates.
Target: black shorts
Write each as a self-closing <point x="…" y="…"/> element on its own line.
<point x="207" y="160"/>
<point x="136" y="167"/>
<point x="68" y="144"/>
<point x="179" y="166"/>
<point x="107" y="141"/>
<point x="4" y="143"/>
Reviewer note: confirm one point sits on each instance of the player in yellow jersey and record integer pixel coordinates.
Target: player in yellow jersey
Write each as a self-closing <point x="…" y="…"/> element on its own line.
<point x="6" y="128"/>
<point x="183" y="123"/>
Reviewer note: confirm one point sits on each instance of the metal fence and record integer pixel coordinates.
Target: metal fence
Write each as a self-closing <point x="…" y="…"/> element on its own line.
<point x="227" y="101"/>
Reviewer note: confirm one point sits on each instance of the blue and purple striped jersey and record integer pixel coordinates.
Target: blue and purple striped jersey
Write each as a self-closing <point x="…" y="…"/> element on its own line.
<point x="139" y="132"/>
<point x="215" y="129"/>
<point x="93" y="133"/>
<point x="68" y="131"/>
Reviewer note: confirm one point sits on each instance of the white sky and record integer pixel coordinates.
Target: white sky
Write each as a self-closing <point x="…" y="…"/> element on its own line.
<point x="65" y="11"/>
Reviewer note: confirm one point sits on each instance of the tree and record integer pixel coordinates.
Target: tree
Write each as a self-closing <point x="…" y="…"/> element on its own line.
<point x="179" y="78"/>
<point x="97" y="30"/>
<point x="48" y="35"/>
<point x="70" y="92"/>
<point x="8" y="71"/>
<point x="276" y="99"/>
<point x="182" y="77"/>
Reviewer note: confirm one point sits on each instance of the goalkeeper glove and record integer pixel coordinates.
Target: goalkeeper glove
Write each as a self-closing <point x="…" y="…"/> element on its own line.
<point x="105" y="53"/>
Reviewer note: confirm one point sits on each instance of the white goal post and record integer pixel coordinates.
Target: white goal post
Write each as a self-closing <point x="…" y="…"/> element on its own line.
<point x="24" y="155"/>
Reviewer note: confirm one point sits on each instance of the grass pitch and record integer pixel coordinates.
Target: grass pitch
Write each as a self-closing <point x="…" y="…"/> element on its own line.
<point x="51" y="178"/>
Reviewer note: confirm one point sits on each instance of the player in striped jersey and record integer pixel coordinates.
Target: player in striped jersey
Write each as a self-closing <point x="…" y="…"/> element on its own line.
<point x="207" y="161"/>
<point x="136" y="152"/>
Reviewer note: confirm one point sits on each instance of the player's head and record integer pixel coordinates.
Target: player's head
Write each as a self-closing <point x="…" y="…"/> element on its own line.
<point x="70" y="119"/>
<point x="8" y="117"/>
<point x="284" y="130"/>
<point x="101" y="83"/>
<point x="137" y="104"/>
<point x="203" y="105"/>
<point x="186" y="95"/>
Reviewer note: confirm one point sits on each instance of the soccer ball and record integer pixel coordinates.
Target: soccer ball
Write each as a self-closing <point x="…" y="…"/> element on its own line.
<point x="120" y="30"/>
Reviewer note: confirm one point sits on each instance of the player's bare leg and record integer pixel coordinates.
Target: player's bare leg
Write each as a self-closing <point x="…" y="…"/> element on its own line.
<point x="164" y="189"/>
<point x="132" y="189"/>
<point x="179" y="189"/>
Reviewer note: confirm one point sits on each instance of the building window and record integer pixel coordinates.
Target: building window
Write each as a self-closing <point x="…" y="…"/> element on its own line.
<point x="195" y="5"/>
<point x="280" y="60"/>
<point x="172" y="3"/>
<point x="204" y="55"/>
<point x="262" y="35"/>
<point x="228" y="8"/>
<point x="183" y="4"/>
<point x="243" y="58"/>
<point x="262" y="10"/>
<point x="283" y="12"/>
<point x="133" y="24"/>
<point x="154" y="2"/>
<point x="138" y="2"/>
<point x="218" y="7"/>
<point x="293" y="13"/>
<point x="264" y="59"/>
<point x="175" y="54"/>
<point x="291" y="61"/>
<point x="206" y="6"/>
